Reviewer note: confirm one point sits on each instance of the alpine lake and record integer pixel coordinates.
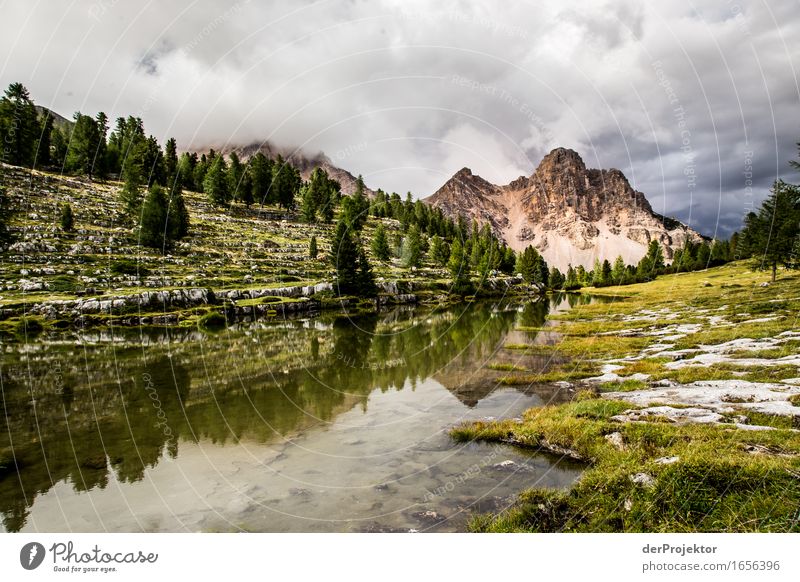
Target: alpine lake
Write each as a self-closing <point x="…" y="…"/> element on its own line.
<point x="316" y="424"/>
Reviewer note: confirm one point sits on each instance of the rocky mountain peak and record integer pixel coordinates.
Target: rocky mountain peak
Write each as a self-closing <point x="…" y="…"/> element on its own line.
<point x="571" y="214"/>
<point x="561" y="159"/>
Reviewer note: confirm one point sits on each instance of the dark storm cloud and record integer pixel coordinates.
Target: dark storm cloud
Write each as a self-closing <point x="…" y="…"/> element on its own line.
<point x="697" y="102"/>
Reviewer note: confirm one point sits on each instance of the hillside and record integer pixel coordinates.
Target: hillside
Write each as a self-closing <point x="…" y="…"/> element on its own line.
<point x="242" y="258"/>
<point x="571" y="214"/>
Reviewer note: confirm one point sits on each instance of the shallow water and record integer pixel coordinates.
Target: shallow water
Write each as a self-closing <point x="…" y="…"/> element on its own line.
<point x="325" y="424"/>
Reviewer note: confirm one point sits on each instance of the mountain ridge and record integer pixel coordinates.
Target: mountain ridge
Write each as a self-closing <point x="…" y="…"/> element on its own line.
<point x="572" y="214"/>
<point x="303" y="161"/>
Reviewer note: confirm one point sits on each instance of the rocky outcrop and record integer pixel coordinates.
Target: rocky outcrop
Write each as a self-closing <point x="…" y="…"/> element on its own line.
<point x="138" y="308"/>
<point x="571" y="214"/>
<point x="166" y="300"/>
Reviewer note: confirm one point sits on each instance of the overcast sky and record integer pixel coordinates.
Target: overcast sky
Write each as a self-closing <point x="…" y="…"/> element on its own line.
<point x="406" y="93"/>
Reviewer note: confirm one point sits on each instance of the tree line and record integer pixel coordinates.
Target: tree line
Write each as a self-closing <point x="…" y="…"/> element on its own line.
<point x="153" y="179"/>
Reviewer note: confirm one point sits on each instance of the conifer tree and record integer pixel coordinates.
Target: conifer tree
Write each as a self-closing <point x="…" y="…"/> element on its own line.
<point x="67" y="220"/>
<point x="380" y="244"/>
<point x="618" y="271"/>
<point x="411" y="253"/>
<point x="312" y="248"/>
<point x="215" y="183"/>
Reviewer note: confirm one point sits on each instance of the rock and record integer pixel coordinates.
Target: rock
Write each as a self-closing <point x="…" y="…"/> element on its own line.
<point x="428" y="516"/>
<point x="616" y="440"/>
<point x="643" y="479"/>
<point x="667" y="460"/>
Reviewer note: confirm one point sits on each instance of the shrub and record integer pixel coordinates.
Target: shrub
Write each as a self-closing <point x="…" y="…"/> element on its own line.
<point x="212" y="320"/>
<point x="27" y="326"/>
<point x="128" y="267"/>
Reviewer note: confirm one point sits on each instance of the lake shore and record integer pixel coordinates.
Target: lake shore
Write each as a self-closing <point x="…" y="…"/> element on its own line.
<point x="686" y="409"/>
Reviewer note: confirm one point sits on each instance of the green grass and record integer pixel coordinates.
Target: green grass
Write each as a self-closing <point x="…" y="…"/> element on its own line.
<point x="578" y="346"/>
<point x="623" y="386"/>
<point x="571" y="371"/>
<point x="506" y="367"/>
<point x="716" y="485"/>
<point x="718" y="482"/>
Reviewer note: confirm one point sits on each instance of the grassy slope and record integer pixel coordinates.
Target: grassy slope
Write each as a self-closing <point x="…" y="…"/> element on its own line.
<point x="690" y="477"/>
<point x="231" y="248"/>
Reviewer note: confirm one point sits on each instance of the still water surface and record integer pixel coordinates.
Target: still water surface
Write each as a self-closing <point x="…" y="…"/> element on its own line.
<point x="323" y="424"/>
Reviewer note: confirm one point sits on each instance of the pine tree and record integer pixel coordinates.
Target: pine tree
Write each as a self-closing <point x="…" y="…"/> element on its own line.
<point x="171" y="161"/>
<point x="261" y="178"/>
<point x="380" y="244"/>
<point x="235" y="176"/>
<point x="529" y="266"/>
<point x="772" y="233"/>
<point x="355" y="208"/>
<point x="215" y="183"/>
<point x="163" y="220"/>
<point x="440" y="251"/>
<point x="83" y="145"/>
<point x="185" y="171"/>
<point x="344" y="258"/>
<point x="652" y="263"/>
<point x="312" y="248"/>
<point x="411" y="253"/>
<point x="67" y="220"/>
<point x="605" y="278"/>
<point x="328" y="206"/>
<point x="459" y="268"/>
<point x="571" y="282"/>
<point x="618" y="271"/>
<point x="131" y="194"/>
<point x="365" y="276"/>
<point x="509" y="261"/>
<point x="153" y="227"/>
<point x="178" y="215"/>
<point x="100" y="163"/>
<point x="734" y="252"/>
<point x="286" y="183"/>
<point x="43" y="157"/>
<point x="5" y="214"/>
<point x="19" y="126"/>
<point x="556" y="278"/>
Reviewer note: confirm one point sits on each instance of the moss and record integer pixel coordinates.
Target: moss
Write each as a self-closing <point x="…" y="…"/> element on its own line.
<point x="795" y="399"/>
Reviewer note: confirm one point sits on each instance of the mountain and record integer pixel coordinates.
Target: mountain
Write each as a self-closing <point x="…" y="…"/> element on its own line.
<point x="571" y="214"/>
<point x="302" y="161"/>
<point x="58" y="120"/>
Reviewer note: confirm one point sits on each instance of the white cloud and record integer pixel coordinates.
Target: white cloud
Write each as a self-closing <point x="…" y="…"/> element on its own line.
<point x="409" y="93"/>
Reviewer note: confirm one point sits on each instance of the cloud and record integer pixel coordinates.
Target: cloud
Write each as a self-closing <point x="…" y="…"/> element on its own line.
<point x="406" y="93"/>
